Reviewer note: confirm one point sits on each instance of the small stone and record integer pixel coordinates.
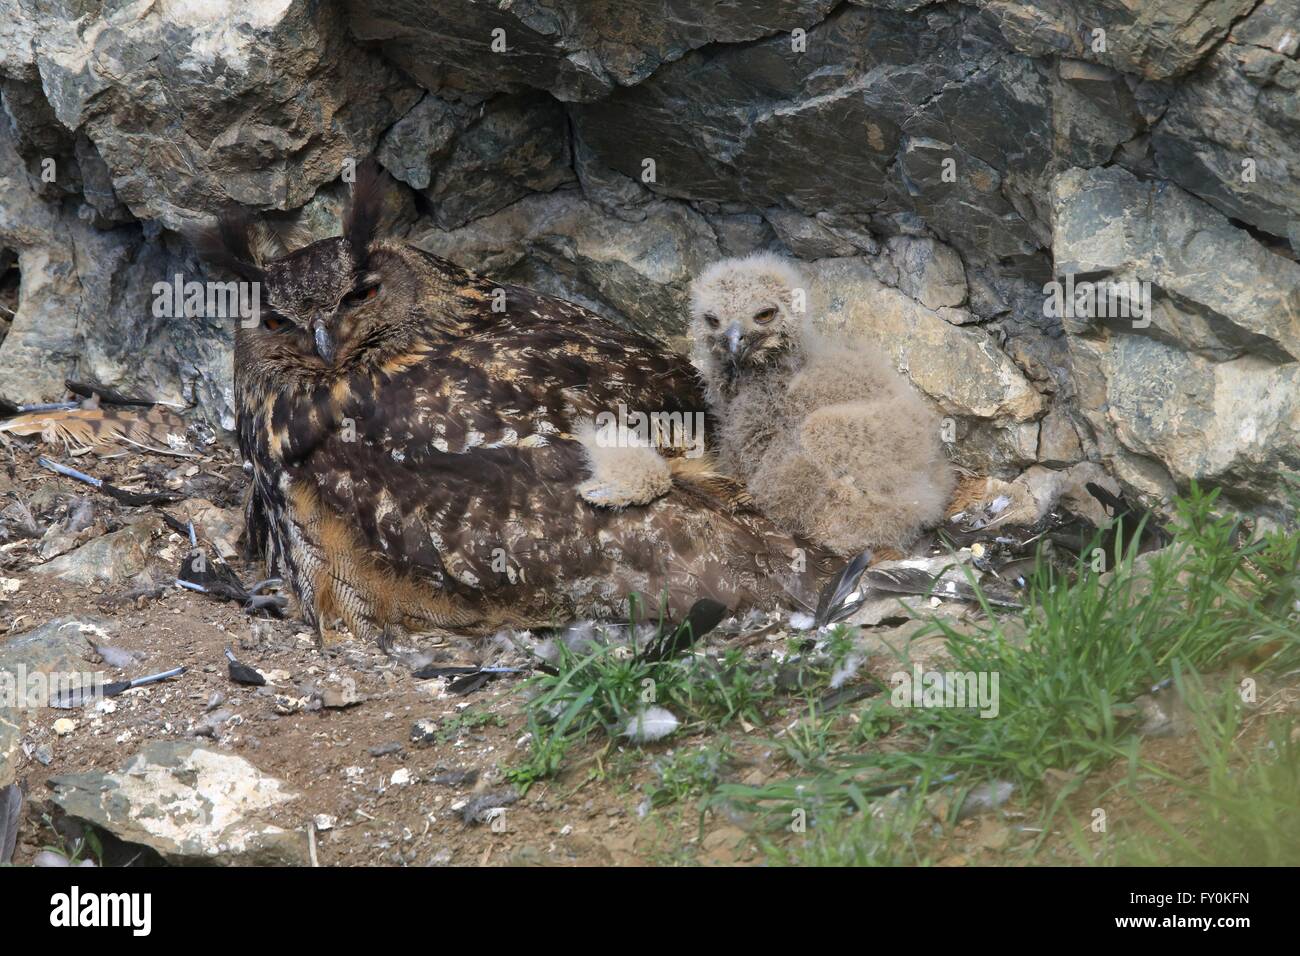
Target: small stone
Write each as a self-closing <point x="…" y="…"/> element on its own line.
<point x="345" y="694"/>
<point x="424" y="731"/>
<point x="284" y="704"/>
<point x="64" y="726"/>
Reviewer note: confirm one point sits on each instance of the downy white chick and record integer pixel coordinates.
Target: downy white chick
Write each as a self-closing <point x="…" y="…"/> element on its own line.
<point x="832" y="442"/>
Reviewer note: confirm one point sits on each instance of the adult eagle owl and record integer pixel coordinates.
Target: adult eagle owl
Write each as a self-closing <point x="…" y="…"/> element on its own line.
<point x="415" y="430"/>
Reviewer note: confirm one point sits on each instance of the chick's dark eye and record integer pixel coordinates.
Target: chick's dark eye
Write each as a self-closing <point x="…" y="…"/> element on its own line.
<point x="712" y="319"/>
<point x="361" y="295"/>
<point x="767" y="315"/>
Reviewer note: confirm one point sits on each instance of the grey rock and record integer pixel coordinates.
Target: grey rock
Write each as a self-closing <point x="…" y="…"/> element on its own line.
<point x="1058" y="440"/>
<point x="740" y="234"/>
<point x="190" y="803"/>
<point x="961" y="369"/>
<point x="807" y="236"/>
<point x="850" y="127"/>
<point x="617" y="194"/>
<point x="1157" y="39"/>
<point x="85" y="308"/>
<point x="1172" y="416"/>
<point x="1229" y="132"/>
<point x="57" y="647"/>
<point x="471" y="162"/>
<point x="518" y="145"/>
<point x="1093" y="114"/>
<point x="1216" y="290"/>
<point x="929" y="272"/>
<point x="115" y="558"/>
<point x="1207" y="389"/>
<point x="635" y="273"/>
<point x="576" y="49"/>
<point x="193" y="106"/>
<point x="102" y="207"/>
<point x="47" y="146"/>
<point x="17" y="36"/>
<point x="339" y="693"/>
<point x="413" y="145"/>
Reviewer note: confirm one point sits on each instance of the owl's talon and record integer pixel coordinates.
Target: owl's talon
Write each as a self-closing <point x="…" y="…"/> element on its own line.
<point x="623" y="476"/>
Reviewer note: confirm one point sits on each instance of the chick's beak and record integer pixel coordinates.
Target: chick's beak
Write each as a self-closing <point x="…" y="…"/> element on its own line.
<point x="324" y="341"/>
<point x="733" y="338"/>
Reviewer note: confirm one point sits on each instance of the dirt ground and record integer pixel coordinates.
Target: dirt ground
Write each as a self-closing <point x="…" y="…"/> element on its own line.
<point x="372" y="793"/>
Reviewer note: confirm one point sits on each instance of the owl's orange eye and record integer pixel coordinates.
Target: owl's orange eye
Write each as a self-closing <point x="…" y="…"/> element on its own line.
<point x="764" y="317"/>
<point x="361" y="295"/>
<point x="272" y="324"/>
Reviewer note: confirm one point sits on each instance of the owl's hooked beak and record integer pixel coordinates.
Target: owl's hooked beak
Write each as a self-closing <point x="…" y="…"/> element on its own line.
<point x="324" y="342"/>
<point x="733" y="338"/>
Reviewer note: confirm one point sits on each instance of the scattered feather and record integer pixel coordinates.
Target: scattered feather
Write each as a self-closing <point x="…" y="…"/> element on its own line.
<point x="67" y="699"/>
<point x="486" y="806"/>
<point x="842" y="596"/>
<point x="653" y="723"/>
<point x="847" y="695"/>
<point x="704" y="615"/>
<point x="242" y="673"/>
<point x="132" y="498"/>
<point x="846" y="671"/>
<point x="49" y="858"/>
<point x="108" y="432"/>
<point x="985" y="797"/>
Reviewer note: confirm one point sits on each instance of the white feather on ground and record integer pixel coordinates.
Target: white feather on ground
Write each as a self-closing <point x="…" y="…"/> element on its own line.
<point x="653" y="723"/>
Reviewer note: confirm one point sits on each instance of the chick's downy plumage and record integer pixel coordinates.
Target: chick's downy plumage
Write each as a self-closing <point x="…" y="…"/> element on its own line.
<point x="416" y="434"/>
<point x="831" y="441"/>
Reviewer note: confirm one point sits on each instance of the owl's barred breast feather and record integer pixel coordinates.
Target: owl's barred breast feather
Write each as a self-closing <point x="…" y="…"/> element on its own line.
<point x="428" y="476"/>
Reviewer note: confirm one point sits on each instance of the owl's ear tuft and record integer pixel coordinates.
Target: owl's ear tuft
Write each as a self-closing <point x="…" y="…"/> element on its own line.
<point x="361" y="221"/>
<point x="228" y="243"/>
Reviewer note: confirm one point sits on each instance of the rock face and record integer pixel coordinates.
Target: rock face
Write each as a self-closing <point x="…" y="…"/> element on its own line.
<point x="85" y="311"/>
<point x="936" y="165"/>
<point x="194" y="105"/>
<point x="636" y="272"/>
<point x="574" y="49"/>
<point x="1205" y="386"/>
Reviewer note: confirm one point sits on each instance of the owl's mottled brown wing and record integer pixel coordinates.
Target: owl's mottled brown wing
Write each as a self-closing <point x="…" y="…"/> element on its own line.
<point x="463" y="473"/>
